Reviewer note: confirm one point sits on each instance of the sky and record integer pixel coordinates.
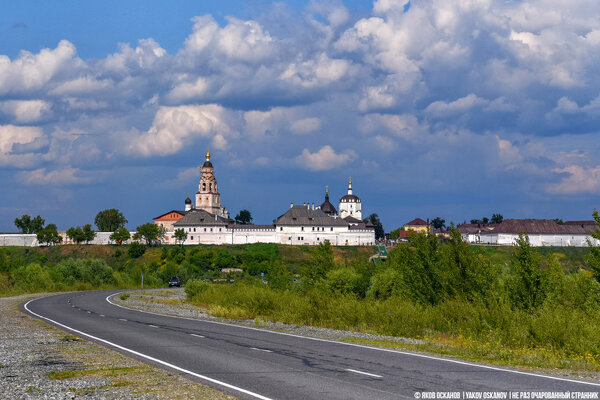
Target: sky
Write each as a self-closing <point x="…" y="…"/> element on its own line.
<point x="458" y="109"/>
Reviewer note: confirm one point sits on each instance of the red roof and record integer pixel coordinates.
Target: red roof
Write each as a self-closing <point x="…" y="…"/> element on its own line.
<point x="417" y="222"/>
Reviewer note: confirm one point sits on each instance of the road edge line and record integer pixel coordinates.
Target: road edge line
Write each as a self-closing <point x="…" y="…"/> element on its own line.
<point x="156" y="360"/>
<point x="426" y="356"/>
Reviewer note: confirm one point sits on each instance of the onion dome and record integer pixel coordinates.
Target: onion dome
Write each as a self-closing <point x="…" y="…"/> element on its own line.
<point x="207" y="163"/>
<point x="350" y="198"/>
<point x="327" y="207"/>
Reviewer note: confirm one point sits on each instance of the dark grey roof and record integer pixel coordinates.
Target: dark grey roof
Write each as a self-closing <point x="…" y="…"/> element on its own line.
<point x="541" y="226"/>
<point x="352" y="220"/>
<point x="188" y="200"/>
<point x="207" y="164"/>
<point x="327" y="207"/>
<point x="361" y="226"/>
<point x="476" y="228"/>
<point x="580" y="223"/>
<point x="251" y="227"/>
<point x="304" y="216"/>
<point x="530" y="226"/>
<point x="197" y="217"/>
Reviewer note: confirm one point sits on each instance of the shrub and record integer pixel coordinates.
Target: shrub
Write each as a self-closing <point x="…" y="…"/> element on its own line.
<point x="342" y="280"/>
<point x="136" y="250"/>
<point x="31" y="278"/>
<point x="195" y="287"/>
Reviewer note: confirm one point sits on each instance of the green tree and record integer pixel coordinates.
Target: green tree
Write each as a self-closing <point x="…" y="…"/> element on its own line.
<point x="497" y="218"/>
<point x="342" y="280"/>
<point x="136" y="250"/>
<point x="465" y="274"/>
<point x="120" y="235"/>
<point x="28" y="225"/>
<point x="180" y="236"/>
<point x="244" y="217"/>
<point x="150" y="233"/>
<point x="485" y="220"/>
<point x="88" y="233"/>
<point x="49" y="235"/>
<point x="593" y="258"/>
<point x="418" y="266"/>
<point x="79" y="234"/>
<point x="321" y="261"/>
<point x="110" y="220"/>
<point x="395" y="234"/>
<point x="558" y="221"/>
<point x="527" y="282"/>
<point x="75" y="234"/>
<point x="438" y="223"/>
<point x="374" y="219"/>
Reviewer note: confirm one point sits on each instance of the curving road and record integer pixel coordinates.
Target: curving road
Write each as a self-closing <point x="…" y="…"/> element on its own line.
<point x="253" y="363"/>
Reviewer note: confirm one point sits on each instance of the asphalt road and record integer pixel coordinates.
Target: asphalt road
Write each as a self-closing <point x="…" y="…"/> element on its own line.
<point x="252" y="363"/>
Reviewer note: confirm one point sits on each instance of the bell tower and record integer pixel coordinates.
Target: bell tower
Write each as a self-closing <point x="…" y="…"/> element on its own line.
<point x="208" y="197"/>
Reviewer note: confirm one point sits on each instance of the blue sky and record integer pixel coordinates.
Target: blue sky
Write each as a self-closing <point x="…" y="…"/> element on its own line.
<point x="454" y="109"/>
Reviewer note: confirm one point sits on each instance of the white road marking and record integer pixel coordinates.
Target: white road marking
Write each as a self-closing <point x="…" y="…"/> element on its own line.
<point x="363" y="373"/>
<point x="153" y="326"/>
<point x="122" y="319"/>
<point x="265" y="350"/>
<point x="102" y="315"/>
<point x="156" y="360"/>
<point x="193" y="334"/>
<point x="362" y="346"/>
<point x="89" y="312"/>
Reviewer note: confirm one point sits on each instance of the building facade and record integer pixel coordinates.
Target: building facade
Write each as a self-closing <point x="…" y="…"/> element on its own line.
<point x="541" y="232"/>
<point x="350" y="204"/>
<point x="208" y="221"/>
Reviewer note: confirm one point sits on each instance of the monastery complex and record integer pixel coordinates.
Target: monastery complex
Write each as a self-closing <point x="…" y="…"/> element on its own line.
<point x="207" y="221"/>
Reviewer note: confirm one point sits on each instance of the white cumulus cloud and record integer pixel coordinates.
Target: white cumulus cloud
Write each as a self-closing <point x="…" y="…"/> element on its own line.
<point x="13" y="136"/>
<point x="579" y="180"/>
<point x="63" y="176"/>
<point x="173" y="127"/>
<point x="25" y="111"/>
<point x="324" y="159"/>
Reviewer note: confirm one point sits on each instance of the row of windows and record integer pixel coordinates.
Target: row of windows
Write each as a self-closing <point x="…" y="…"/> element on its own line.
<point x="204" y="187"/>
<point x="194" y="229"/>
<point x="299" y="238"/>
<point x="318" y="228"/>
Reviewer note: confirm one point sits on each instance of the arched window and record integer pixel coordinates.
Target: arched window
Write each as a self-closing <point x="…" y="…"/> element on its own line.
<point x="203" y="186"/>
<point x="210" y="187"/>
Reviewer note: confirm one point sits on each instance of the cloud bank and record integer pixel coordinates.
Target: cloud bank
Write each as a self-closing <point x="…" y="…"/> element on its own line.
<point x="464" y="92"/>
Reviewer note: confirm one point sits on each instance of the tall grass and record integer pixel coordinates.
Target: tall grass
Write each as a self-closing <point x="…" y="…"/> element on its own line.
<point x="492" y="330"/>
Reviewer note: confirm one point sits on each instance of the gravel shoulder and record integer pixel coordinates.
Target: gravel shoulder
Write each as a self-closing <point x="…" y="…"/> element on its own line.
<point x="38" y="361"/>
<point x="172" y="302"/>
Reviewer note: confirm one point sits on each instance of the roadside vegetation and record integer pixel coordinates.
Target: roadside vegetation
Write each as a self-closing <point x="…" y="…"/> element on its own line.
<point x="84" y="267"/>
<point x="512" y="305"/>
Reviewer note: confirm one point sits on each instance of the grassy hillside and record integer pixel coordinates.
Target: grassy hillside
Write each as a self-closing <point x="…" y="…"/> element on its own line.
<point x="571" y="258"/>
<point x="512" y="305"/>
<point x="70" y="267"/>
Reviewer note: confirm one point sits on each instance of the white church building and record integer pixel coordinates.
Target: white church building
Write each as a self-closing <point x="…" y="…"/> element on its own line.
<point x="208" y="222"/>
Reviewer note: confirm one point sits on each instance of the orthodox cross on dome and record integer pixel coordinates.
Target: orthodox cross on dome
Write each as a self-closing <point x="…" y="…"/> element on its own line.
<point x="207" y="153"/>
<point x="350" y="185"/>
